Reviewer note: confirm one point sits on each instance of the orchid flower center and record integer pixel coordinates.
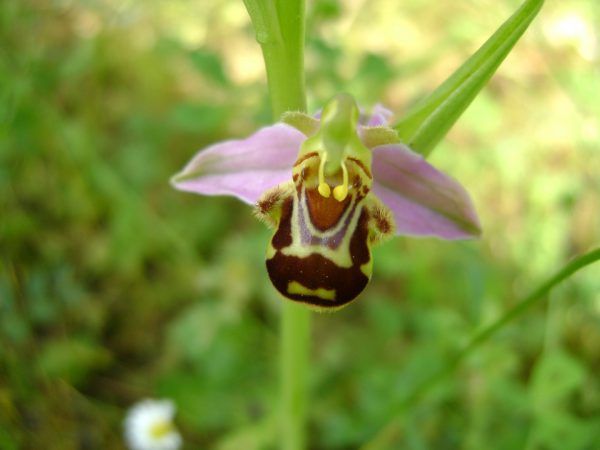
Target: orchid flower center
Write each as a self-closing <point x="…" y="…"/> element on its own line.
<point x="340" y="191"/>
<point x="335" y="143"/>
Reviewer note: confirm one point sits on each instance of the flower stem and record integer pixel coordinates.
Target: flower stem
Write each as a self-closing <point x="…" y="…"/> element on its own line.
<point x="294" y="354"/>
<point x="279" y="28"/>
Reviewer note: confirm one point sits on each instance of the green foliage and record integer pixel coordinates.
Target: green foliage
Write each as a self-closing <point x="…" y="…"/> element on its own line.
<point x="114" y="287"/>
<point x="71" y="360"/>
<point x="428" y="122"/>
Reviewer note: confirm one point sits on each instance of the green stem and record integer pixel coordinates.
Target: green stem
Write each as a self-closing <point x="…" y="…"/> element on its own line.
<point x="286" y="81"/>
<point x="279" y="27"/>
<point x="294" y="351"/>
<point x="390" y="431"/>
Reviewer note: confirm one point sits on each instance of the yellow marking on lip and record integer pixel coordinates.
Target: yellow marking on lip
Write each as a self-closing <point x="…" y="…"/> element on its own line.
<point x="367" y="268"/>
<point x="341" y="256"/>
<point x="295" y="288"/>
<point x="270" y="250"/>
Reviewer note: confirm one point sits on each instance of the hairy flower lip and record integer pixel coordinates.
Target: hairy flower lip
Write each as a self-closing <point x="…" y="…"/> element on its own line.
<point x="424" y="201"/>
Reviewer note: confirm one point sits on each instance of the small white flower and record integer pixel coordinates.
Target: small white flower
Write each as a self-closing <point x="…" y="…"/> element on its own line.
<point x="149" y="426"/>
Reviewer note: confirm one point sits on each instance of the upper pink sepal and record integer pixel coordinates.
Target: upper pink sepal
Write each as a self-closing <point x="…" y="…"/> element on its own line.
<point x="243" y="168"/>
<point x="380" y="116"/>
<point x="423" y="200"/>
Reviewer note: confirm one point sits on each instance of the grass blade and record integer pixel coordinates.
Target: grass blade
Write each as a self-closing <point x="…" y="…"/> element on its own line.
<point x="429" y="121"/>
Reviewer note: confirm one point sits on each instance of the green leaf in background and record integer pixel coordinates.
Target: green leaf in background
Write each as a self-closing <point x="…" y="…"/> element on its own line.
<point x="429" y="121"/>
<point x="210" y="64"/>
<point x="549" y="369"/>
<point x="555" y="377"/>
<point x="198" y="117"/>
<point x="72" y="360"/>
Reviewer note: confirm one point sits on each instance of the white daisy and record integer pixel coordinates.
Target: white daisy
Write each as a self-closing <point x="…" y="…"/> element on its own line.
<point x="149" y="426"/>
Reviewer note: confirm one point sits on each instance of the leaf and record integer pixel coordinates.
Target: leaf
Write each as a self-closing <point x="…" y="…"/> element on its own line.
<point x="555" y="377"/>
<point x="198" y="117"/>
<point x="255" y="436"/>
<point x="210" y="65"/>
<point x="72" y="360"/>
<point x="429" y="121"/>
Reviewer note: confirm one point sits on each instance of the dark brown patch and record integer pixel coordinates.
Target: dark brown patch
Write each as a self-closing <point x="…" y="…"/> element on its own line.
<point x="316" y="271"/>
<point x="268" y="200"/>
<point x="360" y="164"/>
<point x="382" y="221"/>
<point x="325" y="212"/>
<point x="283" y="236"/>
<point x="359" y="250"/>
<point x="305" y="157"/>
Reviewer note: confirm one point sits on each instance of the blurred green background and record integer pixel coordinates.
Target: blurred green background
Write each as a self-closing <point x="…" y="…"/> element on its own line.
<point x="114" y="287"/>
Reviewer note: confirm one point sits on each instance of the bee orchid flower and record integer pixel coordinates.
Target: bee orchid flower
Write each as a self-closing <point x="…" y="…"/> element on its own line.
<point x="331" y="186"/>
